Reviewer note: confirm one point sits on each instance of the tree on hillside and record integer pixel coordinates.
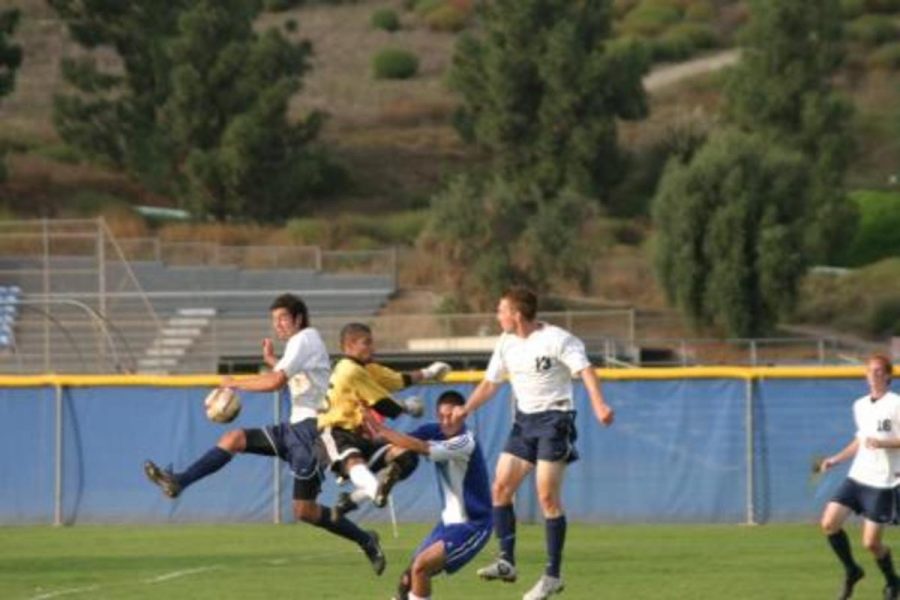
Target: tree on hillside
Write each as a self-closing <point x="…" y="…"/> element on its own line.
<point x="493" y="233"/>
<point x="782" y="88"/>
<point x="198" y="107"/>
<point x="730" y="227"/>
<point x="227" y="114"/>
<point x="10" y="59"/>
<point x="542" y="88"/>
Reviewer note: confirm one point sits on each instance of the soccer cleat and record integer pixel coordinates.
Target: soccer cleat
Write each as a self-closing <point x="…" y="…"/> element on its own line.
<point x="163" y="478"/>
<point x="545" y="587"/>
<point x="500" y="569"/>
<point x="374" y="553"/>
<point x="342" y="506"/>
<point x="850" y="580"/>
<point x="891" y="591"/>
<point x="386" y="480"/>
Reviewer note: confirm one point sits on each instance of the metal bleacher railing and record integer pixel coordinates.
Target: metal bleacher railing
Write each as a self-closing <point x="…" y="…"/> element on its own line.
<point x="87" y="302"/>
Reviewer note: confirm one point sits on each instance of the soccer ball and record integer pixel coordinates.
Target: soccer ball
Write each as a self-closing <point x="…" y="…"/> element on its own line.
<point x="222" y="405"/>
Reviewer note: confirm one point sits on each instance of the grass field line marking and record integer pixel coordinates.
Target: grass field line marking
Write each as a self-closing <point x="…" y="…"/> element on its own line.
<point x="87" y="588"/>
<point x="181" y="573"/>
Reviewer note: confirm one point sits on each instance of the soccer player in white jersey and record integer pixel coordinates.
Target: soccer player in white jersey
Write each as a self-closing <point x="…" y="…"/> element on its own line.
<point x="304" y="368"/>
<point x="463" y="483"/>
<point x="540" y="361"/>
<point x="873" y="483"/>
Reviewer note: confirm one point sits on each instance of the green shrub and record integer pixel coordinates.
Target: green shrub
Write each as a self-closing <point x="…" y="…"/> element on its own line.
<point x="423" y="7"/>
<point x="650" y="20"/>
<point x="623" y="7"/>
<point x="386" y="19"/>
<point x="884" y="318"/>
<point x="872" y="30"/>
<point x="280" y="5"/>
<point x="60" y="153"/>
<point x="878" y="232"/>
<point x="682" y="41"/>
<point x="395" y="63"/>
<point x="446" y="18"/>
<point x="702" y="10"/>
<point x="853" y="8"/>
<point x="886" y="57"/>
<point x="882" y="6"/>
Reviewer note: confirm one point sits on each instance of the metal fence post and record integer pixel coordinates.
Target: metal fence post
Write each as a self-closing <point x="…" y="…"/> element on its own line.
<point x="750" y="428"/>
<point x="58" y="457"/>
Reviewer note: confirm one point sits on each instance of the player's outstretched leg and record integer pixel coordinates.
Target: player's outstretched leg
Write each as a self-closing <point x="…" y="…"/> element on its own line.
<point x="164" y="478"/>
<point x="545" y="587"/>
<point x="374" y="553"/>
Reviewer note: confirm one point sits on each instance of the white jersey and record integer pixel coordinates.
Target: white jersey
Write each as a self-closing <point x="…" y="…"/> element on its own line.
<point x="306" y="364"/>
<point x="540" y="367"/>
<point x="877" y="467"/>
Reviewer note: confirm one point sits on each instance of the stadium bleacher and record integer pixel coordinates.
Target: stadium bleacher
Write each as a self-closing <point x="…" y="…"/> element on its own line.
<point x="146" y="306"/>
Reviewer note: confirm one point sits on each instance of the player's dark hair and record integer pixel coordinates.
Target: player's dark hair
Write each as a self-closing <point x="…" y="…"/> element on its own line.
<point x="885" y="361"/>
<point x="352" y="331"/>
<point x="451" y="397"/>
<point x="523" y="300"/>
<point x="295" y="307"/>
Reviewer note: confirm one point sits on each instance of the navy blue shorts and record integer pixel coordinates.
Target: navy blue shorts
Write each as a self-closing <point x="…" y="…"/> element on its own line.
<point x="874" y="504"/>
<point x="548" y="435"/>
<point x="462" y="541"/>
<point x="295" y="444"/>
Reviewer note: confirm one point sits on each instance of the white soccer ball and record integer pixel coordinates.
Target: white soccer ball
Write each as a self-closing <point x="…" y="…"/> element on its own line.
<point x="223" y="405"/>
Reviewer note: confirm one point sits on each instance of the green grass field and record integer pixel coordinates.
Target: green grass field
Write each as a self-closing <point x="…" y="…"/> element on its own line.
<point x="297" y="561"/>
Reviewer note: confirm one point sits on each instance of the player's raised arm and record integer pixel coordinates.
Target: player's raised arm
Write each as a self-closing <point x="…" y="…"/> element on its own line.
<point x="602" y="410"/>
<point x="483" y="392"/>
<point x="264" y="382"/>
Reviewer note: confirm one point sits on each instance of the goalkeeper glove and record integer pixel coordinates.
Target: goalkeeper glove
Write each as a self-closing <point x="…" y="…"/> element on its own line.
<point x="436" y="371"/>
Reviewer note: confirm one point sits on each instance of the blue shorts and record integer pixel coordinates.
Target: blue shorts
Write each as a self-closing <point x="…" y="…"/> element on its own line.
<point x="462" y="541"/>
<point x="548" y="435"/>
<point x="295" y="444"/>
<point x="878" y="505"/>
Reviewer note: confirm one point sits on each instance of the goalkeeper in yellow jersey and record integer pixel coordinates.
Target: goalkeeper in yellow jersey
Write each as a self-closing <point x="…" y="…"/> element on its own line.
<point x="358" y="385"/>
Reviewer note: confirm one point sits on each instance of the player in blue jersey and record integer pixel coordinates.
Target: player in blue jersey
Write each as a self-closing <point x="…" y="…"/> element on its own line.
<point x="463" y="483"/>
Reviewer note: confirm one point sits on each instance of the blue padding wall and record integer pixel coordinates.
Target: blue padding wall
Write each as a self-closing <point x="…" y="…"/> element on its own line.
<point x="678" y="452"/>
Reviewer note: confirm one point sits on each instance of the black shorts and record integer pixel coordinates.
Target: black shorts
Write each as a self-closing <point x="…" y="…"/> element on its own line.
<point x="295" y="444"/>
<point x="548" y="435"/>
<point x="878" y="505"/>
<point x="336" y="445"/>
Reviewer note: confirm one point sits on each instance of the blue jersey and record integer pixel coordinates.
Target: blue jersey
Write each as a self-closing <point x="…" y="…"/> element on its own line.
<point x="461" y="473"/>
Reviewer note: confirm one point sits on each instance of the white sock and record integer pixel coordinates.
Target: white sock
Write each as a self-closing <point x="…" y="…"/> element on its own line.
<point x="364" y="480"/>
<point x="358" y="495"/>
<point x="414" y="597"/>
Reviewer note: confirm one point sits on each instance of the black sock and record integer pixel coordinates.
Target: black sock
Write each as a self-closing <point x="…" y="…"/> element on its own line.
<point x="841" y="546"/>
<point x="343" y="527"/>
<point x="209" y="463"/>
<point x="887" y="568"/>
<point x="407" y="461"/>
<point x="556" y="539"/>
<point x="505" y="530"/>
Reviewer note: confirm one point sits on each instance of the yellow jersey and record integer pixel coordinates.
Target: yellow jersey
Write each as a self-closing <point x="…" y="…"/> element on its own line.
<point x="353" y="388"/>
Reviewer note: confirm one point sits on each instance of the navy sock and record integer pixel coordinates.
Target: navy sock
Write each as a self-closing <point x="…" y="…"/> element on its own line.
<point x="887" y="568"/>
<point x="343" y="527"/>
<point x="841" y="546"/>
<point x="209" y="463"/>
<point x="505" y="530"/>
<point x="556" y="539"/>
